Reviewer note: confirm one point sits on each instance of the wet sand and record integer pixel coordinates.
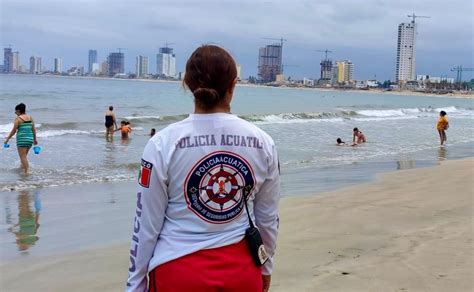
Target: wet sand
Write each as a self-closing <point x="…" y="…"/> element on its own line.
<point x="410" y="230"/>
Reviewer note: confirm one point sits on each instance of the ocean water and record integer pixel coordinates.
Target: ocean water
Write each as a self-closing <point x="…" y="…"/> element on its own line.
<point x="69" y="114"/>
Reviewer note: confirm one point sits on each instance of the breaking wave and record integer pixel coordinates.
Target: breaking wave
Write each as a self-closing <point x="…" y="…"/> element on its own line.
<point x="53" y="133"/>
<point x="358" y="115"/>
<point x="340" y="115"/>
<point x="156" y="119"/>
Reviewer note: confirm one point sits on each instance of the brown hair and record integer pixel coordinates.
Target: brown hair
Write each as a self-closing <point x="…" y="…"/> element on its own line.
<point x="210" y="72"/>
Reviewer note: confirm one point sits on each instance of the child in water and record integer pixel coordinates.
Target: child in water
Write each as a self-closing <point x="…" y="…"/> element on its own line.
<point x="442" y="125"/>
<point x="124" y="129"/>
<point x="339" y="142"/>
<point x="357" y="134"/>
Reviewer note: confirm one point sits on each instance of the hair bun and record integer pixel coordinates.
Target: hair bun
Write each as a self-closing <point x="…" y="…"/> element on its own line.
<point x="208" y="97"/>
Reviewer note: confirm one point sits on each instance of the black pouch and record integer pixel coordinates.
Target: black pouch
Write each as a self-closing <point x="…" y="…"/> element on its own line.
<point x="257" y="248"/>
<point x="254" y="240"/>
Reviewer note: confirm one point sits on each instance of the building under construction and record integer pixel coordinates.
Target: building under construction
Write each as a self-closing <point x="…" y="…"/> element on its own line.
<point x="326" y="72"/>
<point x="406" y="51"/>
<point x="270" y="62"/>
<point x="115" y="64"/>
<point x="326" y="68"/>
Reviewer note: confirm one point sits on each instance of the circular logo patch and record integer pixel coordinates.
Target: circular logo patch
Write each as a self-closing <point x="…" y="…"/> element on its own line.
<point x="214" y="189"/>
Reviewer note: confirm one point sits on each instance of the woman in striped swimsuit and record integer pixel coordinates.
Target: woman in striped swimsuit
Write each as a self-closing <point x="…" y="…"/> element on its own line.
<point x="25" y="130"/>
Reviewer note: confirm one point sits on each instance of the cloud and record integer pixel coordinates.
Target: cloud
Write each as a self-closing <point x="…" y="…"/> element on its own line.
<point x="365" y="31"/>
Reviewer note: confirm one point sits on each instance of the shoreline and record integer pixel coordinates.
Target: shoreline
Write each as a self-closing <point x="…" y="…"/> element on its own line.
<point x="382" y="235"/>
<point x="455" y="94"/>
<point x="367" y="172"/>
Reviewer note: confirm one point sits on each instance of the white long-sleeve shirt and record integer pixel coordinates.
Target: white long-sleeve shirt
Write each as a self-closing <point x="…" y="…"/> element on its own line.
<point x="190" y="194"/>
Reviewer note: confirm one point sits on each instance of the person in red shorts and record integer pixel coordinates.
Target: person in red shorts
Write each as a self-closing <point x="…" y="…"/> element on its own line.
<point x="206" y="184"/>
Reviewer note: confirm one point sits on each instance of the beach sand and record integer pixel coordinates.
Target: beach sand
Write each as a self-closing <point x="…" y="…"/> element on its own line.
<point x="410" y="230"/>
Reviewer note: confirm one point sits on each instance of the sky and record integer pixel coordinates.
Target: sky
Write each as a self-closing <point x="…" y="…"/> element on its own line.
<point x="363" y="31"/>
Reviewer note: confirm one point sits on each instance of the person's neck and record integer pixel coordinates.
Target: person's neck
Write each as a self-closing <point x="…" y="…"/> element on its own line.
<point x="215" y="110"/>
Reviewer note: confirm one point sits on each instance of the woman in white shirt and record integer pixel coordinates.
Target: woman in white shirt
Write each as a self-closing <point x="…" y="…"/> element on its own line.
<point x="196" y="175"/>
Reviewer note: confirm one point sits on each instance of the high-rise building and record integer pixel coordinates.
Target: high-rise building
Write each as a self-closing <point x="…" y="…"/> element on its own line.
<point x="142" y="66"/>
<point x="35" y="65"/>
<point x="326" y="71"/>
<point x="345" y="71"/>
<point x="115" y="64"/>
<point x="95" y="69"/>
<point x="92" y="60"/>
<point x="166" y="62"/>
<point x="16" y="62"/>
<point x="39" y="65"/>
<point x="270" y="62"/>
<point x="405" y="70"/>
<point x="103" y="68"/>
<point x="239" y="72"/>
<point x="7" y="60"/>
<point x="335" y="74"/>
<point x="58" y="65"/>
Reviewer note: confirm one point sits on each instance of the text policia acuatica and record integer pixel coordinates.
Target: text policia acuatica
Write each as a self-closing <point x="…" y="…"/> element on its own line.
<point x="136" y="229"/>
<point x="225" y="140"/>
<point x="221" y="159"/>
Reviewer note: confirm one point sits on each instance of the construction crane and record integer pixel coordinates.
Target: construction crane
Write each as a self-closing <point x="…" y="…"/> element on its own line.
<point x="168" y="44"/>
<point x="120" y="49"/>
<point x="459" y="69"/>
<point x="326" y="51"/>
<point x="417" y="16"/>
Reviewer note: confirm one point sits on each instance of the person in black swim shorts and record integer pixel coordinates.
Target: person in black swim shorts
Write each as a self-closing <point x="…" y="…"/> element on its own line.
<point x="110" y="122"/>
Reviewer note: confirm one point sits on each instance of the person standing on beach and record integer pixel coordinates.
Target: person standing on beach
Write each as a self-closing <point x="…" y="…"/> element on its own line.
<point x="442" y="125"/>
<point x="203" y="182"/>
<point x="25" y="130"/>
<point x="110" y="122"/>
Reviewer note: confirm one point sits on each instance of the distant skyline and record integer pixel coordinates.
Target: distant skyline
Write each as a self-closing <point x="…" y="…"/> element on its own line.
<point x="364" y="32"/>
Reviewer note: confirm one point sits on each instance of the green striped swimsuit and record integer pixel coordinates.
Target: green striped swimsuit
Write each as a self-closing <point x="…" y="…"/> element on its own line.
<point x="24" y="134"/>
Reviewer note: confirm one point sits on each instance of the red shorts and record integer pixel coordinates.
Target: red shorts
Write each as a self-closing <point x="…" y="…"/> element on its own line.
<point x="227" y="268"/>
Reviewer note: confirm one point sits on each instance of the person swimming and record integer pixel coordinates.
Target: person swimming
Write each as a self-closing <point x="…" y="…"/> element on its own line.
<point x="152" y="132"/>
<point x="339" y="142"/>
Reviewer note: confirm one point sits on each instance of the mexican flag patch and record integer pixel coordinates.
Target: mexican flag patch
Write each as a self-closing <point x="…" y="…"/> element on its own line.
<point x="145" y="174"/>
